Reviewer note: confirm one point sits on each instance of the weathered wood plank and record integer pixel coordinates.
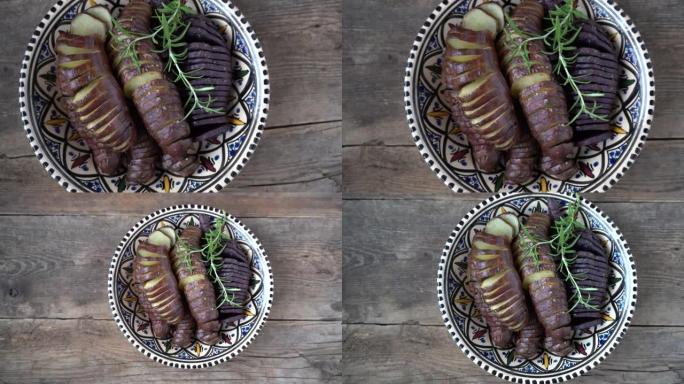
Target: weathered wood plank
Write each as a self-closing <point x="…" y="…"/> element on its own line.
<point x="56" y="267"/>
<point x="392" y="249"/>
<point x="420" y="354"/>
<point x="302" y="43"/>
<point x="88" y="351"/>
<point x="298" y="159"/>
<point x="376" y="50"/>
<point x="400" y="172"/>
<point x="240" y="204"/>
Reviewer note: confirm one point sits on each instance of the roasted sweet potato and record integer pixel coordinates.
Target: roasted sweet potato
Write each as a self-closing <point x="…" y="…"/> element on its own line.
<point x="591" y="264"/>
<point x="533" y="83"/>
<point x="545" y="288"/>
<point x="160" y="328"/>
<point x="183" y="331"/>
<point x="156" y="99"/>
<point x="471" y="72"/>
<point x="235" y="274"/>
<point x="528" y="341"/>
<point x="142" y="159"/>
<point x="500" y="335"/>
<point x="494" y="276"/>
<point x="157" y="279"/>
<point x="94" y="101"/>
<point x="193" y="281"/>
<point x="522" y="159"/>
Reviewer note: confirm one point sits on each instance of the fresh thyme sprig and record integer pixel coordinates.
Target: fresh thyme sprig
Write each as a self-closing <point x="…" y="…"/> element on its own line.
<point x="560" y="38"/>
<point x="530" y="243"/>
<point x="169" y="35"/>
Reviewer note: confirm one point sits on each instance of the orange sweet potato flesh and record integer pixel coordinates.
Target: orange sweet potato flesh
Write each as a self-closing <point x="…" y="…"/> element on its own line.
<point x="545" y="288"/>
<point x="198" y="290"/>
<point x="156" y="98"/>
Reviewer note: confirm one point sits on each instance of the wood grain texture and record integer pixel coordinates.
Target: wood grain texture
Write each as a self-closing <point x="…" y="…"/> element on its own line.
<point x="427" y="354"/>
<point x="376" y="50"/>
<point x="305" y="158"/>
<point x="93" y="351"/>
<point x="380" y="171"/>
<point x="306" y="265"/>
<point x="392" y="250"/>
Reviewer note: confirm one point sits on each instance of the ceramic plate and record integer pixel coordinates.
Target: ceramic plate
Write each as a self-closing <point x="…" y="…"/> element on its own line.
<point x="133" y="322"/>
<point x="470" y="331"/>
<point x="66" y="157"/>
<point x="600" y="165"/>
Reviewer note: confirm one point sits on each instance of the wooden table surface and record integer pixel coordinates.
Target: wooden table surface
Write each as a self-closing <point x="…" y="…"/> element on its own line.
<point x="398" y="214"/>
<point x="56" y="247"/>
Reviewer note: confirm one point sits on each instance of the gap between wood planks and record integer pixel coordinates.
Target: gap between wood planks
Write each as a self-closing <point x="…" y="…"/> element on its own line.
<point x="270" y="319"/>
<point x="407" y="145"/>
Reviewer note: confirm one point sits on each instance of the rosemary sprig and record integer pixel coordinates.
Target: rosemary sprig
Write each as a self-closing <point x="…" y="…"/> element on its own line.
<point x="185" y="251"/>
<point x="560" y="38"/>
<point x="561" y="245"/>
<point x="216" y="240"/>
<point x="169" y="35"/>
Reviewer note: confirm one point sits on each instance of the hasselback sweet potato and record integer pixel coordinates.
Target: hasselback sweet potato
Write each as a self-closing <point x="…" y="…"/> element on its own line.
<point x="143" y="158"/>
<point x="486" y="157"/>
<point x="155" y="97"/>
<point x="545" y="288"/>
<point x="592" y="267"/>
<point x="183" y="331"/>
<point x="235" y="274"/>
<point x="598" y="68"/>
<point x="157" y="279"/>
<point x="160" y="328"/>
<point x="528" y="341"/>
<point x="471" y="69"/>
<point x="95" y="104"/>
<point x="500" y="335"/>
<point x="534" y="85"/>
<point x="206" y="45"/>
<point x="193" y="281"/>
<point x="494" y="274"/>
<point x="522" y="159"/>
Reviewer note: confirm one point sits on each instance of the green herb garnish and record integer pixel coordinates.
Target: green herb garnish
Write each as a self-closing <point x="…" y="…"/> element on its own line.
<point x="169" y="35"/>
<point x="184" y="251"/>
<point x="216" y="240"/>
<point x="560" y="38"/>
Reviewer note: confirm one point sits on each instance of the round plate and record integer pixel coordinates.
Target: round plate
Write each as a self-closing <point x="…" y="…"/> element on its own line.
<point x="133" y="322"/>
<point x="470" y="331"/>
<point x="69" y="161"/>
<point x="448" y="155"/>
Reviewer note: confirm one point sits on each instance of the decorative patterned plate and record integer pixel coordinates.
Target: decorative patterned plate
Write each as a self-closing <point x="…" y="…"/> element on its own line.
<point x="133" y="322"/>
<point x="66" y="157"/>
<point x="470" y="331"/>
<point x="600" y="165"/>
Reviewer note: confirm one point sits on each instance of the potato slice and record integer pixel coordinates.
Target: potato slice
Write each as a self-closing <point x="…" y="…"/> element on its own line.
<point x="491" y="281"/>
<point x="474" y="86"/>
<point x="64" y="49"/>
<point x="140" y="80"/>
<point x="529" y="279"/>
<point x="462" y="44"/>
<point x="487" y="256"/>
<point x="494" y="10"/>
<point x="478" y="20"/>
<point x="85" y="91"/>
<point x="86" y="25"/>
<point x="160" y="239"/>
<point x="479" y="244"/>
<point x="73" y="64"/>
<point x="528" y="81"/>
<point x="512" y="219"/>
<point x="463" y="58"/>
<point x="101" y="13"/>
<point x="500" y="227"/>
<point x="170" y="233"/>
